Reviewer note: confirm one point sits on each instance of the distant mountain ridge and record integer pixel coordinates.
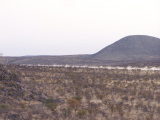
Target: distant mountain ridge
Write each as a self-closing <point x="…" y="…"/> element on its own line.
<point x="128" y="50"/>
<point x="132" y="48"/>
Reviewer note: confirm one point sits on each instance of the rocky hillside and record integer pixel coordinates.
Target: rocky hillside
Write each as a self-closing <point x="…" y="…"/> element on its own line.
<point x="18" y="99"/>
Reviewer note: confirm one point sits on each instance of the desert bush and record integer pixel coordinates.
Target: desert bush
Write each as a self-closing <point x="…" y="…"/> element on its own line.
<point x="23" y="104"/>
<point x="4" y="106"/>
<point x="78" y="98"/>
<point x="73" y="103"/>
<point x="51" y="104"/>
<point x="81" y="113"/>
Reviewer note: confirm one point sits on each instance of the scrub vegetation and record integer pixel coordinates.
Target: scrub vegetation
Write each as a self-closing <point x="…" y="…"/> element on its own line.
<point x="59" y="93"/>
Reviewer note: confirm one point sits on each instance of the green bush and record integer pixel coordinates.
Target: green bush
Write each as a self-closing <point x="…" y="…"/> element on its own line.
<point x="81" y="112"/>
<point x="50" y="100"/>
<point x="78" y="98"/>
<point x="51" y="104"/>
<point x="2" y="106"/>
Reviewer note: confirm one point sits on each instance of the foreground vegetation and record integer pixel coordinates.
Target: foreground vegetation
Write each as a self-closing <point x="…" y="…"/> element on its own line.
<point x="59" y="93"/>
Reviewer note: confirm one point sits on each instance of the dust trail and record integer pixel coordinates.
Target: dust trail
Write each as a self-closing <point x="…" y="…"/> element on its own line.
<point x="104" y="67"/>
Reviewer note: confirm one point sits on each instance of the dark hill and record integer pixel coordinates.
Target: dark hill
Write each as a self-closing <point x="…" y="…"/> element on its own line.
<point x="131" y="48"/>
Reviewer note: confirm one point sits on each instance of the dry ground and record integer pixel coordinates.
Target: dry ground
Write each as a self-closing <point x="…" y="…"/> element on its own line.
<point x="59" y="93"/>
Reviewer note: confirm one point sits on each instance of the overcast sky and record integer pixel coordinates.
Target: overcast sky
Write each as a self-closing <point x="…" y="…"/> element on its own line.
<point x="62" y="27"/>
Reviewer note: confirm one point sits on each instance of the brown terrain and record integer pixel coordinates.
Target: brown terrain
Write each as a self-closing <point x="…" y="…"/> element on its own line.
<point x="31" y="91"/>
<point x="59" y="93"/>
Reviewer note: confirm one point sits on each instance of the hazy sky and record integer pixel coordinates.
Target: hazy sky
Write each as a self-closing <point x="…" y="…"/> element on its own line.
<point x="61" y="27"/>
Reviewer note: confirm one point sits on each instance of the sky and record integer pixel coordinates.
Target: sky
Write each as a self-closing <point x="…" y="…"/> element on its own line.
<point x="68" y="27"/>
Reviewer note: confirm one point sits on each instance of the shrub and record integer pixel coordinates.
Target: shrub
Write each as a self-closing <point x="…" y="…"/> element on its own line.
<point x="73" y="103"/>
<point x="3" y="106"/>
<point x="23" y="104"/>
<point x="78" y="98"/>
<point x="81" y="113"/>
<point x="51" y="104"/>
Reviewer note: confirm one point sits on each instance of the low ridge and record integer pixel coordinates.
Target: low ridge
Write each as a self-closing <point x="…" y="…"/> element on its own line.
<point x="130" y="49"/>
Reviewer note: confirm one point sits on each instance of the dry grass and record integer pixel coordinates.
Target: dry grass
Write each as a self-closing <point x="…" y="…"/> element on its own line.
<point x="100" y="94"/>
